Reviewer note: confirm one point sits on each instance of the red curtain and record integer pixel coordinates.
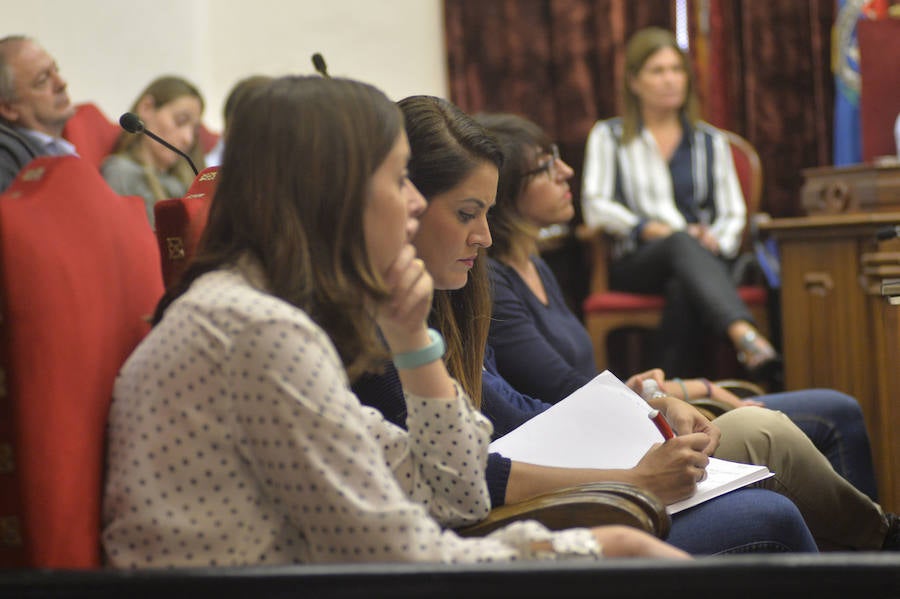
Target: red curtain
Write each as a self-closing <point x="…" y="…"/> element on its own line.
<point x="556" y="62"/>
<point x="765" y="73"/>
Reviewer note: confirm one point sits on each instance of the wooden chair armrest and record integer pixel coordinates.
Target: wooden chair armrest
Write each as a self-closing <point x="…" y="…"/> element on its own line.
<point x="596" y="245"/>
<point x="741" y="388"/>
<point x="711" y="408"/>
<point x="585" y="233"/>
<point x="592" y="504"/>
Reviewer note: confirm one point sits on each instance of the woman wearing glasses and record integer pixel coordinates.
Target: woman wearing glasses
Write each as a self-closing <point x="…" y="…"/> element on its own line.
<point x="663" y="183"/>
<point x="819" y="452"/>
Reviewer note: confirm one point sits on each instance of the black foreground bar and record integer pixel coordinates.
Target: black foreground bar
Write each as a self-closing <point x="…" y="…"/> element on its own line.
<point x="850" y="575"/>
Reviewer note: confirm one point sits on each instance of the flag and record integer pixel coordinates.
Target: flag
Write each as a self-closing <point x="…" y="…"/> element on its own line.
<point x="845" y="65"/>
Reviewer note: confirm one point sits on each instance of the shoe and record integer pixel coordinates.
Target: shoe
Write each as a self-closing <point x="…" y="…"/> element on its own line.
<point x="758" y="356"/>
<point x="892" y="537"/>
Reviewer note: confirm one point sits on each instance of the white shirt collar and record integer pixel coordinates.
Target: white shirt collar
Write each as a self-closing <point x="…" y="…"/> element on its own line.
<point x="55" y="146"/>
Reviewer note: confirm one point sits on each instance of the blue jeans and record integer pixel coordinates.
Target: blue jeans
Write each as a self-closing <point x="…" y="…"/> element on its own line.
<point x="743" y="521"/>
<point x="834" y="423"/>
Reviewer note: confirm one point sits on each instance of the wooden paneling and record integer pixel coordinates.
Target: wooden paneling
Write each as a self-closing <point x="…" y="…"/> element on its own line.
<point x="838" y="331"/>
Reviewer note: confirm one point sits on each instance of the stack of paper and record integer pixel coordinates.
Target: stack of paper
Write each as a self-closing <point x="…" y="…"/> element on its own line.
<point x="606" y="425"/>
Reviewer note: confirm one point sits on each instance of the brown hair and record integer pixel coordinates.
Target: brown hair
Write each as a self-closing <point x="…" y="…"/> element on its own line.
<point x="642" y="45"/>
<point x="239" y="93"/>
<point x="521" y="142"/>
<point x="447" y="145"/>
<point x="292" y="191"/>
<point x="163" y="90"/>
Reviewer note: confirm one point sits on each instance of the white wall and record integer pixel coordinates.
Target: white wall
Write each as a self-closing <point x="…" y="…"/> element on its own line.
<point x="109" y="50"/>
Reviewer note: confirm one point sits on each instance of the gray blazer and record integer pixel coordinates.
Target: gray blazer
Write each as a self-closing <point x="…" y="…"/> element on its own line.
<point x="16" y="151"/>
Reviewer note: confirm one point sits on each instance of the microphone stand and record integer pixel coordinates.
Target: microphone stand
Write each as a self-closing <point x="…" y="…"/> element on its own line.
<point x="159" y="139"/>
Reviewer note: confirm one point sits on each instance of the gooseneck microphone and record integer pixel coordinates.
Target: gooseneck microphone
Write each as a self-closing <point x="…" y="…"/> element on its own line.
<point x="319" y="62"/>
<point x="133" y="124"/>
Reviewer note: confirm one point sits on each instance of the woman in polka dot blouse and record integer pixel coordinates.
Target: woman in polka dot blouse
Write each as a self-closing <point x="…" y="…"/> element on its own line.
<point x="234" y="438"/>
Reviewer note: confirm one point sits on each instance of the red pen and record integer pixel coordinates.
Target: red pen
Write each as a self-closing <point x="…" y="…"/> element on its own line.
<point x="650" y="390"/>
<point x="661" y="423"/>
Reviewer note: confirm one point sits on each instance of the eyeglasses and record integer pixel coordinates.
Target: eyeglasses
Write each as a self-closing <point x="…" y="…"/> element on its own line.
<point x="549" y="166"/>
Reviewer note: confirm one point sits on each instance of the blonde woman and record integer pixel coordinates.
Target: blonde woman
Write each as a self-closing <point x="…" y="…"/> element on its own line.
<point x="663" y="183"/>
<point x="170" y="107"/>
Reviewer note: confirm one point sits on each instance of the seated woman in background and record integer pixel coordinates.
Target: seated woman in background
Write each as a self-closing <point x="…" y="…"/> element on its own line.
<point x="170" y="107"/>
<point x="663" y="182"/>
<point x="456" y="164"/>
<point x="234" y="438"/>
<point x="532" y="324"/>
<point x="452" y="163"/>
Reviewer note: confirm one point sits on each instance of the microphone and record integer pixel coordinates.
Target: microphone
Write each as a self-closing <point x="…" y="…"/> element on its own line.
<point x="888" y="233"/>
<point x="133" y="124"/>
<point x="319" y="63"/>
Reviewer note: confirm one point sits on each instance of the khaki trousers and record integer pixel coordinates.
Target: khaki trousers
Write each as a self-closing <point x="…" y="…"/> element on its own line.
<point x="838" y="515"/>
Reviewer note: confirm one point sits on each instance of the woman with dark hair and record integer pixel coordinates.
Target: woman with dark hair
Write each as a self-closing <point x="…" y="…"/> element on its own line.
<point x="234" y="437"/>
<point x="531" y="324"/>
<point x="171" y="107"/>
<point x="532" y="320"/>
<point x="663" y="183"/>
<point x="456" y="162"/>
<point x="242" y="89"/>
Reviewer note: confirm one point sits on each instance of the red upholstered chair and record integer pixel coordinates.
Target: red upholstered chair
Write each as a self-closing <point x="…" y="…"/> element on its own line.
<point x="93" y="135"/>
<point x="207" y="138"/>
<point x="180" y="223"/>
<point x="605" y="310"/>
<point x="79" y="275"/>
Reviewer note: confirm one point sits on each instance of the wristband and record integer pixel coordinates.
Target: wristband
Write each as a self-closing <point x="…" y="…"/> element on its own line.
<point x="419" y="357"/>
<point x="708" y="386"/>
<point x="683" y="388"/>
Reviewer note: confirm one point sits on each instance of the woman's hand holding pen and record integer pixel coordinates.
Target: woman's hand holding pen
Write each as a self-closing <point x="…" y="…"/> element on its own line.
<point x="685" y="419"/>
<point x="672" y="469"/>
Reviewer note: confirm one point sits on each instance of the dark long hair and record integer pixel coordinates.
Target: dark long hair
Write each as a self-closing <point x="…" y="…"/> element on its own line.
<point x="522" y="142"/>
<point x="447" y="145"/>
<point x="294" y="179"/>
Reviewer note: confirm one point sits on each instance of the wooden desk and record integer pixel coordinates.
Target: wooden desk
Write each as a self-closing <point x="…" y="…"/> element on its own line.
<point x="838" y="330"/>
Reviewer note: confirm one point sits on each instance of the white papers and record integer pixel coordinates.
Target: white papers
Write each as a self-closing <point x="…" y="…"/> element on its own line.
<point x="721" y="477"/>
<point x="606" y="425"/>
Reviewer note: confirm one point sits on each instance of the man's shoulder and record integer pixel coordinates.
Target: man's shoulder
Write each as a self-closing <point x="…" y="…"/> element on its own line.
<point x="16" y="151"/>
<point x="17" y="146"/>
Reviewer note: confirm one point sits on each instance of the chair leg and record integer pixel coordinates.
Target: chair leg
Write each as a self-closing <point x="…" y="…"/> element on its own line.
<point x="599" y="334"/>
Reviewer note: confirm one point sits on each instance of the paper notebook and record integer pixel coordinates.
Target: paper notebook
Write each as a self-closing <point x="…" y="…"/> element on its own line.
<point x="606" y="425"/>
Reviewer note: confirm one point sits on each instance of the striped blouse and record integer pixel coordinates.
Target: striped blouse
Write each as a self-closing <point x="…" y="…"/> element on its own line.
<point x="627" y="184"/>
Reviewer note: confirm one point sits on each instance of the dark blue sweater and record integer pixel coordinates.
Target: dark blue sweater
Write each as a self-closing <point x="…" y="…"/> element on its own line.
<point x="543" y="351"/>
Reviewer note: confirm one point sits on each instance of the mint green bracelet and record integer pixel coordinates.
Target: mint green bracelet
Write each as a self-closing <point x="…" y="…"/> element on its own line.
<point x="683" y="388"/>
<point x="419" y="357"/>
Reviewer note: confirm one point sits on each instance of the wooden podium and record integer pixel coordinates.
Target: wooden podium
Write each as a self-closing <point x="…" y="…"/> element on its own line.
<point x="856" y="188"/>
<point x="839" y="331"/>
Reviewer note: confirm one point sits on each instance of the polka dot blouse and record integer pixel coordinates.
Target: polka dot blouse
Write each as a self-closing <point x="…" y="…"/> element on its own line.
<point x="234" y="440"/>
